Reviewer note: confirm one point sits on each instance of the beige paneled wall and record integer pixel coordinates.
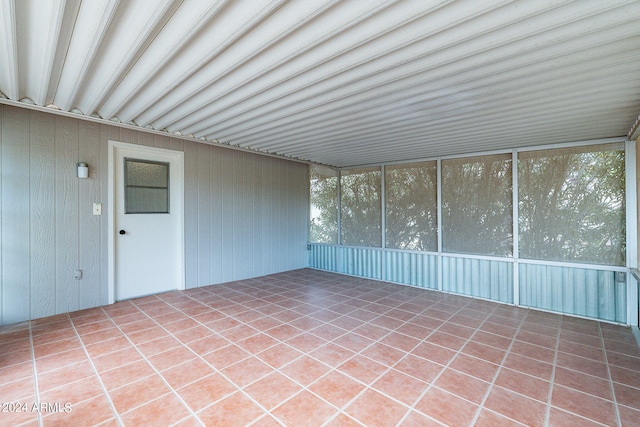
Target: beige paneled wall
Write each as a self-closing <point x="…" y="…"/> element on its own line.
<point x="638" y="191"/>
<point x="245" y="214"/>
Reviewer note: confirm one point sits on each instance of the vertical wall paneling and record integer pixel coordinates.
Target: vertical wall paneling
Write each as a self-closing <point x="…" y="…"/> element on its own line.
<point x="303" y="206"/>
<point x="281" y="222"/>
<point x="227" y="214"/>
<point x="191" y="213"/>
<point x="291" y="219"/>
<point x="162" y="141"/>
<point x="175" y="143"/>
<point x="204" y="216"/>
<point x="247" y="210"/>
<point x="248" y="165"/>
<point x="129" y="135"/>
<point x="270" y="221"/>
<point x="216" y="207"/>
<point x="238" y="216"/>
<point x="90" y="225"/>
<point x="245" y="214"/>
<point x="147" y="139"/>
<point x="256" y="213"/>
<point x="15" y="216"/>
<point x="107" y="133"/>
<point x="66" y="213"/>
<point x="42" y="205"/>
<point x="265" y="201"/>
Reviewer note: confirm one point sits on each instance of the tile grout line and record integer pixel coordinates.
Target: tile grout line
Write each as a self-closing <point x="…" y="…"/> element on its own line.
<point x="376" y="341"/>
<point x="153" y="367"/>
<point x="308" y="354"/>
<point x="35" y="372"/>
<point x="613" y="392"/>
<point x="481" y="404"/>
<point x="95" y="371"/>
<point x="497" y="374"/>
<point x="431" y="384"/>
<point x="445" y="367"/>
<point x="557" y="343"/>
<point x="553" y="374"/>
<point x="331" y="369"/>
<point x="218" y="371"/>
<point x="303" y="354"/>
<point x="389" y="368"/>
<point x="235" y="298"/>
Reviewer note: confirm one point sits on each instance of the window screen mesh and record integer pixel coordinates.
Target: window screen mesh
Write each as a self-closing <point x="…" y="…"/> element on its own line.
<point x="323" y="227"/>
<point x="146" y="187"/>
<point x="411" y="206"/>
<point x="571" y="204"/>
<point x="360" y="205"/>
<point x="477" y="205"/>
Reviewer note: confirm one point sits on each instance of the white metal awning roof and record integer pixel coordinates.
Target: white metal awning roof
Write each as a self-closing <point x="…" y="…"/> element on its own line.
<point x="336" y="82"/>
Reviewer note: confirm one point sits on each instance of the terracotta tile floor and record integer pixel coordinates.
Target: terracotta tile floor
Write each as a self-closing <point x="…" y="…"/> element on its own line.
<point x="308" y="348"/>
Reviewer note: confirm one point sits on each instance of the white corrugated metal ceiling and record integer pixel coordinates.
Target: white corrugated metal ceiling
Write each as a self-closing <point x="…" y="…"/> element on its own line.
<point x="335" y="82"/>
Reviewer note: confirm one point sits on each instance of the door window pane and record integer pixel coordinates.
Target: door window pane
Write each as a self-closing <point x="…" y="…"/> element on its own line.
<point x="146" y="186"/>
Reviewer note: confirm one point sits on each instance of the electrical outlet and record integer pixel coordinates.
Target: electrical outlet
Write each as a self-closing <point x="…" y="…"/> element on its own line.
<point x="97" y="208"/>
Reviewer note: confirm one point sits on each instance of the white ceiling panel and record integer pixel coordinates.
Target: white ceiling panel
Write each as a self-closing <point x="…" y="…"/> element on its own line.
<point x="338" y="82"/>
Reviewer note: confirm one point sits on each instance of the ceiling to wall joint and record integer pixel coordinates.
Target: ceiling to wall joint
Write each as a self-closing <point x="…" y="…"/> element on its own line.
<point x="334" y="82"/>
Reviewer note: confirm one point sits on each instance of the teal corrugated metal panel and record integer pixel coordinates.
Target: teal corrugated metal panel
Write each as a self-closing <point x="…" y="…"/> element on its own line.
<point x="323" y="257"/>
<point x="481" y="278"/>
<point x="364" y="262"/>
<point x="576" y="291"/>
<point x="410" y="268"/>
<point x="621" y="302"/>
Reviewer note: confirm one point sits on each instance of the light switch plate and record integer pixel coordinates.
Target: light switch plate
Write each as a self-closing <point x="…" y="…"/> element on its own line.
<point x="97" y="208"/>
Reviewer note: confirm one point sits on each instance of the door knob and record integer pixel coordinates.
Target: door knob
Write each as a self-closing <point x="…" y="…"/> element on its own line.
<point x="122" y="232"/>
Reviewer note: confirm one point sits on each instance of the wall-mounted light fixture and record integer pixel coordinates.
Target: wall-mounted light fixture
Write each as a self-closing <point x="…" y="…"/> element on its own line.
<point x="83" y="170"/>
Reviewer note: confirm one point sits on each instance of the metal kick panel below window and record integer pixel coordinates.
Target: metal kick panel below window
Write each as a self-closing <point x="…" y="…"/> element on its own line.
<point x="146" y="185"/>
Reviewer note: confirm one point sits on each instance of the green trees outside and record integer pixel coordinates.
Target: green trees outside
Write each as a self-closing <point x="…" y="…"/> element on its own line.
<point x="477" y="205"/>
<point x="323" y="227"/>
<point x="571" y="205"/>
<point x="412" y="206"/>
<point x="361" y="210"/>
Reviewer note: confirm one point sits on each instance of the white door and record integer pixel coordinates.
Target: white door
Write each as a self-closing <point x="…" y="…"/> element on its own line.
<point x="147" y="220"/>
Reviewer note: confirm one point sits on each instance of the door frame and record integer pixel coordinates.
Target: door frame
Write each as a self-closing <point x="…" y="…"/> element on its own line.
<point x="111" y="223"/>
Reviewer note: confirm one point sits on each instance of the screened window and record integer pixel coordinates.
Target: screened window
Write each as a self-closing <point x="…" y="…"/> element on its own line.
<point x="477" y="202"/>
<point x="323" y="225"/>
<point x="146" y="186"/>
<point x="572" y="204"/>
<point x="411" y="206"/>
<point x="360" y="191"/>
